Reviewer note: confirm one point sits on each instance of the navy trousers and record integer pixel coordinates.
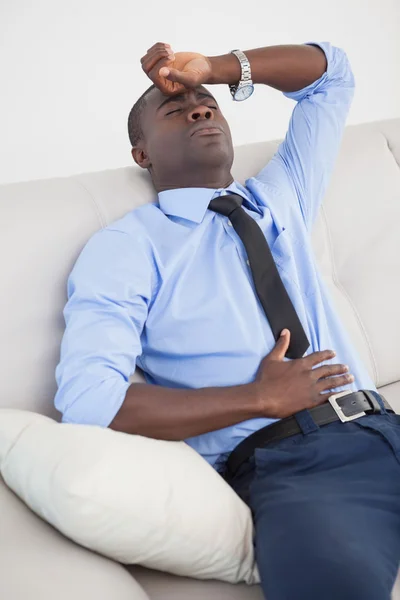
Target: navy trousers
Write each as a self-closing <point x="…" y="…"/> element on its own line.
<point x="326" y="509"/>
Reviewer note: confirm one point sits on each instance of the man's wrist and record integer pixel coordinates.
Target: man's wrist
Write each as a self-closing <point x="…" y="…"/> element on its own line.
<point x="224" y="69"/>
<point x="256" y="399"/>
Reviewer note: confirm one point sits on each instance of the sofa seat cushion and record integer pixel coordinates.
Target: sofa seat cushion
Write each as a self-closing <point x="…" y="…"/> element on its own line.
<point x="38" y="563"/>
<point x="164" y="586"/>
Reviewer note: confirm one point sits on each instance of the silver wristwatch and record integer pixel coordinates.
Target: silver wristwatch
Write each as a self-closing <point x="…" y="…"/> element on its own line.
<point x="245" y="88"/>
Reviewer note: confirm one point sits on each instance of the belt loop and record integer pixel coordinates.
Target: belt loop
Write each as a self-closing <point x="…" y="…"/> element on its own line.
<point x="377" y="398"/>
<point x="306" y="422"/>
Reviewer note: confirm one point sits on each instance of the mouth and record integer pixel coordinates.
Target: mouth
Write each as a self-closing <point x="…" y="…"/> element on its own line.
<point x="214" y="130"/>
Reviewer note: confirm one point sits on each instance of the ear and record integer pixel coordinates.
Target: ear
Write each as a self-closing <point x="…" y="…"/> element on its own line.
<point x="140" y="157"/>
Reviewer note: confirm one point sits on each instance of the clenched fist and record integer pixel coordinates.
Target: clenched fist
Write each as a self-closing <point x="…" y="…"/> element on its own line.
<point x="175" y="73"/>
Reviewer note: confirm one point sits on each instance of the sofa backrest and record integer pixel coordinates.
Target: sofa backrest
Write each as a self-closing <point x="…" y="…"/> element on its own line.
<point x="44" y="225"/>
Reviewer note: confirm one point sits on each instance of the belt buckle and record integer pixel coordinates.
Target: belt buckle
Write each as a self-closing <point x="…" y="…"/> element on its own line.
<point x="338" y="410"/>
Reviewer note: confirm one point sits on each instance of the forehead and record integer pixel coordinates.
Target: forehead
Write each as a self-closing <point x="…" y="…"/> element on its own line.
<point x="156" y="97"/>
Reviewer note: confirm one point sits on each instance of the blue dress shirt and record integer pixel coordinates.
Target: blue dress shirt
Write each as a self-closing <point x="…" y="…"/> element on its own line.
<point x="168" y="287"/>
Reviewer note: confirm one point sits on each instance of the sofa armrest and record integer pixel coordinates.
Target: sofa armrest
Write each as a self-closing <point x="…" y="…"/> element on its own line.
<point x="39" y="563"/>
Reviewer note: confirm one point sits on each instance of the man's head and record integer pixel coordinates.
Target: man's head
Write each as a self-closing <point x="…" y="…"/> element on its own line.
<point x="183" y="140"/>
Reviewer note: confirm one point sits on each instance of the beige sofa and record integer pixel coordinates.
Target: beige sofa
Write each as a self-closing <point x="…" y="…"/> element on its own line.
<point x="44" y="225"/>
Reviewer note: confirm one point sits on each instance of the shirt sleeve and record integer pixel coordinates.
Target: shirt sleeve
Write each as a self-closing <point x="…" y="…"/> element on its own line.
<point x="304" y="161"/>
<point x="109" y="291"/>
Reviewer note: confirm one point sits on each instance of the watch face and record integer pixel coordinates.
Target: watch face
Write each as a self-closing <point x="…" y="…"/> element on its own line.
<point x="244" y="92"/>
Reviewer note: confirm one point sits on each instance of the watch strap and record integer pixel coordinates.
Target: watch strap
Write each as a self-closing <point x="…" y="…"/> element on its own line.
<point x="245" y="66"/>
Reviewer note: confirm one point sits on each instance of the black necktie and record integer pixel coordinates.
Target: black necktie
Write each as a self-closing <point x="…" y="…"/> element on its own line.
<point x="272" y="293"/>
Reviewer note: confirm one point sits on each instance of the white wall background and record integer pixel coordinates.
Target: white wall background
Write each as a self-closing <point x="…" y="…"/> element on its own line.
<point x="70" y="71"/>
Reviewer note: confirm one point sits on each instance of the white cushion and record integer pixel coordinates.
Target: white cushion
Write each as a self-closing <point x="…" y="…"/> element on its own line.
<point x="133" y="499"/>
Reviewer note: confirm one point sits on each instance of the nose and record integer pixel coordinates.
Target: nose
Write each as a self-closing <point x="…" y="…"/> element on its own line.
<point x="200" y="112"/>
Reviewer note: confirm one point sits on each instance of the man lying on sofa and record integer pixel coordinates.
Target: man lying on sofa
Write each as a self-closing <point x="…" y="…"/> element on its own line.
<point x="213" y="291"/>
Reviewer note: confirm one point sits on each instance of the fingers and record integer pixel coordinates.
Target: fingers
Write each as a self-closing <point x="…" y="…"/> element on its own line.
<point x="155" y="54"/>
<point x="329" y="370"/>
<point x="333" y="382"/>
<point x="158" y="46"/>
<point x="317" y="357"/>
<point x="281" y="346"/>
<point x="158" y="49"/>
<point x="149" y="62"/>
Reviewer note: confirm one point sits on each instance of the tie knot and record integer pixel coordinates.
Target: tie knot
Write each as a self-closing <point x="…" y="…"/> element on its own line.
<point x="225" y="205"/>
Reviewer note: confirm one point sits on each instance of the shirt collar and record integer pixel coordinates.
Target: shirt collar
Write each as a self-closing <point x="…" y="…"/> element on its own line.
<point x="192" y="203"/>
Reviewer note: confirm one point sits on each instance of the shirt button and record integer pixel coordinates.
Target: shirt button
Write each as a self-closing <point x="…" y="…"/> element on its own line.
<point x="230" y="224"/>
<point x="248" y="262"/>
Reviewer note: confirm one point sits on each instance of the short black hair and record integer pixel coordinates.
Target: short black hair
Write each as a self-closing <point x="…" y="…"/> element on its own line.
<point x="134" y="120"/>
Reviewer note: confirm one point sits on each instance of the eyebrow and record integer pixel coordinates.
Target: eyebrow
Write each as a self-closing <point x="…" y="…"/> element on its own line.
<point x="181" y="98"/>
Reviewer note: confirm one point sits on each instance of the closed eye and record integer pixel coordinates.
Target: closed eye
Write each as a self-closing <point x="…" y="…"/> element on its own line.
<point x="179" y="109"/>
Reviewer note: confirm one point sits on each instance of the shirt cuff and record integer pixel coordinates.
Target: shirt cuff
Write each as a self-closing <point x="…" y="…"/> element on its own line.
<point x="100" y="406"/>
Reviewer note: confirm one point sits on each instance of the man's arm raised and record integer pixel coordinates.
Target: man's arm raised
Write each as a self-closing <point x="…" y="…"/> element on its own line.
<point x="287" y="68"/>
<point x="317" y="76"/>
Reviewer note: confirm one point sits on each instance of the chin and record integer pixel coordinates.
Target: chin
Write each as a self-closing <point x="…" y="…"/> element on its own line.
<point x="214" y="155"/>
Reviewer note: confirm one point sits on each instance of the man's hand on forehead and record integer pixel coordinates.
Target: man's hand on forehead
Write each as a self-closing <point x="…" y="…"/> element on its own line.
<point x="175" y="73"/>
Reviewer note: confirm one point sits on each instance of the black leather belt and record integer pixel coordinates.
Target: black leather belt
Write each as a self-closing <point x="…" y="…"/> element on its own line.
<point x="344" y="406"/>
